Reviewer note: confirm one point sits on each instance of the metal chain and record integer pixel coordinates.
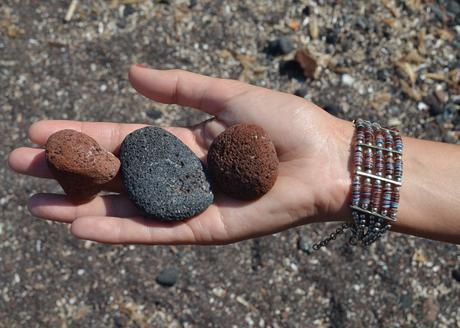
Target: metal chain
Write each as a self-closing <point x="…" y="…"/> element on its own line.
<point x="332" y="236"/>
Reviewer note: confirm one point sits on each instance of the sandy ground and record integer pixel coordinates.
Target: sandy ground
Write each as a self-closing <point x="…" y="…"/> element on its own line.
<point x="396" y="62"/>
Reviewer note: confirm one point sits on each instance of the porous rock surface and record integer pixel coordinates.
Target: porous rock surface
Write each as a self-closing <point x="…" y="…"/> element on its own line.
<point x="80" y="165"/>
<point x="162" y="176"/>
<point x="242" y="162"/>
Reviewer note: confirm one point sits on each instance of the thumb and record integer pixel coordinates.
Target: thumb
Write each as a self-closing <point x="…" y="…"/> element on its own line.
<point x="185" y="88"/>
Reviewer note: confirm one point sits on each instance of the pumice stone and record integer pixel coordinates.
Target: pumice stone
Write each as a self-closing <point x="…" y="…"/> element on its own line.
<point x="242" y="162"/>
<point x="80" y="164"/>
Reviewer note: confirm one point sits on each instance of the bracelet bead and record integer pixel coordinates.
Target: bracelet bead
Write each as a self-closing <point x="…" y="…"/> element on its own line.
<point x="356" y="191"/>
<point x="378" y="152"/>
<point x="386" y="196"/>
<point x="377" y="195"/>
<point x="389" y="166"/>
<point x="366" y="193"/>
<point x="388" y="140"/>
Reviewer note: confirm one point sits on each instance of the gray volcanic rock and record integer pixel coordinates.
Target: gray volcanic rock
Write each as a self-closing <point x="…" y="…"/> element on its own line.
<point x="162" y="176"/>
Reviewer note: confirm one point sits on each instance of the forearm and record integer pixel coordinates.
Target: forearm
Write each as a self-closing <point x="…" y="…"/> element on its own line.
<point x="429" y="203"/>
<point x="430" y="193"/>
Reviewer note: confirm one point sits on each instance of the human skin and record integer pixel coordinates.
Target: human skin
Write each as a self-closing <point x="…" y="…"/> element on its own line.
<point x="314" y="149"/>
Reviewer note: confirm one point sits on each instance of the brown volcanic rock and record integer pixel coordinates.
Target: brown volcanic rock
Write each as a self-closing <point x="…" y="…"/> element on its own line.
<point x="242" y="162"/>
<point x="79" y="164"/>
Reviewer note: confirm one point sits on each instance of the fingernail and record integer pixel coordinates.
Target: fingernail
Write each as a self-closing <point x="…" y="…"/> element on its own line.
<point x="33" y="203"/>
<point x="141" y="65"/>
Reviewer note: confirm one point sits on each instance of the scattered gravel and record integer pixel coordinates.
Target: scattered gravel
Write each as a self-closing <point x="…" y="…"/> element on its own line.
<point x="398" y="53"/>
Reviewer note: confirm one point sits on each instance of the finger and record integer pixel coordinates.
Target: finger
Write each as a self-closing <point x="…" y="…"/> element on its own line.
<point x="186" y="89"/>
<point x="59" y="208"/>
<point x="205" y="133"/>
<point x="232" y="102"/>
<point x="139" y="230"/>
<point x="108" y="135"/>
<point x="29" y="161"/>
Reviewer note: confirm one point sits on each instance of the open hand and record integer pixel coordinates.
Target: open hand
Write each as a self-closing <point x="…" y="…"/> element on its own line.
<point x="312" y="146"/>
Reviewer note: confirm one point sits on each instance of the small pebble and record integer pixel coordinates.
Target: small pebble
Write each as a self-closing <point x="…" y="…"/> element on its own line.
<point x="453" y="7"/>
<point x="168" y="277"/>
<point x="437" y="12"/>
<point x="422" y="106"/>
<point x="154" y="114"/>
<point x="331" y="36"/>
<point x="292" y="69"/>
<point x="328" y="105"/>
<point x="347" y="80"/>
<point x="301" y="92"/>
<point x="435" y="106"/>
<point x="281" y="46"/>
<point x="361" y="23"/>
<point x="308" y="62"/>
<point x="304" y="244"/>
<point x="456" y="274"/>
<point x="394" y="121"/>
<point x="382" y="74"/>
<point x="405" y="301"/>
<point x="128" y="10"/>
<point x="306" y="11"/>
<point x="442" y="96"/>
<point x="332" y="109"/>
<point x="285" y="45"/>
<point x="456" y="99"/>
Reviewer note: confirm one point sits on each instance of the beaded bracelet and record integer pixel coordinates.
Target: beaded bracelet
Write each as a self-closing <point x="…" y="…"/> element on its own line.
<point x="377" y="177"/>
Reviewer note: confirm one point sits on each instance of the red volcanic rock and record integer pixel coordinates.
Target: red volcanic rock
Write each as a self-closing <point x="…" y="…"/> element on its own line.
<point x="242" y="162"/>
<point x="79" y="164"/>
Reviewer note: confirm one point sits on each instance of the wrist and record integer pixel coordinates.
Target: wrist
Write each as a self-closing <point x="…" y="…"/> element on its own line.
<point x="340" y="191"/>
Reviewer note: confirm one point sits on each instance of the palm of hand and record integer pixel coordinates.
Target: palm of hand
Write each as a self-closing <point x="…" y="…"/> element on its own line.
<point x="311" y="173"/>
